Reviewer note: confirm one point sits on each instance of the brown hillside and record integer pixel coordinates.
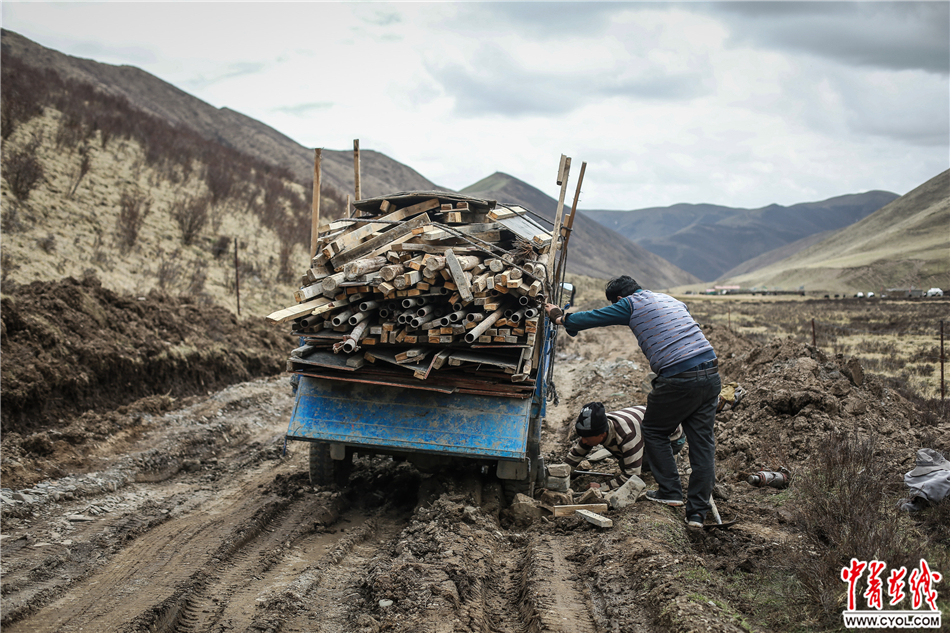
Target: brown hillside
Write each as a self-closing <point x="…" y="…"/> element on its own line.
<point x="379" y="173"/>
<point x="905" y="244"/>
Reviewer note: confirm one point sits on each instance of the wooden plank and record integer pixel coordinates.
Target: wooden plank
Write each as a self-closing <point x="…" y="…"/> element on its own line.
<point x="434" y="248"/>
<point x="461" y="356"/>
<point x="308" y="292"/>
<point x="385" y="382"/>
<point x="422" y="375"/>
<point x="563" y="511"/>
<point x="381" y="241"/>
<point x="356" y="168"/>
<point x="563" y="176"/>
<point x="439" y="359"/>
<point x="488" y="236"/>
<point x="469" y="229"/>
<point x="299" y="310"/>
<point x="596" y="519"/>
<point x="413" y="354"/>
<point x="389" y="357"/>
<point x="462" y="283"/>
<point x="328" y="359"/>
<point x="354" y="237"/>
<point x="500" y="213"/>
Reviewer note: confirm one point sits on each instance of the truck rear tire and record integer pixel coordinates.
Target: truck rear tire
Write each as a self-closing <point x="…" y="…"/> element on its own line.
<point x="326" y="471"/>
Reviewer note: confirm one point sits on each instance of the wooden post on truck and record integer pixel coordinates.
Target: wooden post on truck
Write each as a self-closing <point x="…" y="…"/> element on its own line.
<point x="568" y="227"/>
<point x="356" y="170"/>
<point x="562" y="176"/>
<point x="315" y="211"/>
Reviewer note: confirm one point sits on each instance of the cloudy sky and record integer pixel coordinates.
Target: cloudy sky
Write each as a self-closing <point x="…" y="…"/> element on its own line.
<point x="741" y="104"/>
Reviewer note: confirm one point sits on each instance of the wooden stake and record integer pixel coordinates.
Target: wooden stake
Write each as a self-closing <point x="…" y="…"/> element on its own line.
<point x="356" y="167"/>
<point x="560" y="270"/>
<point x="563" y="175"/>
<point x="237" y="277"/>
<point x="317" y="170"/>
<point x="346" y="209"/>
<point x="943" y="358"/>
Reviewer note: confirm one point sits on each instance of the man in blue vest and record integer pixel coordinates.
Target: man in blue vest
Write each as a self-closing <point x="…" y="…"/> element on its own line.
<point x="685" y="390"/>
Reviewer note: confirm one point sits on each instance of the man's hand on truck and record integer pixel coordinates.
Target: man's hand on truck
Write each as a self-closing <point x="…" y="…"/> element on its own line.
<point x="554" y="313"/>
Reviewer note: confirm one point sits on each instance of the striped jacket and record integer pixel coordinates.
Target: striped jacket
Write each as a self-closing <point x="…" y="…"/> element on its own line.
<point x="624" y="441"/>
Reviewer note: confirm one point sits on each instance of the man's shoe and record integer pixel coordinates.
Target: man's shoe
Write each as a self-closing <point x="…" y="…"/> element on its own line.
<point x="654" y="495"/>
<point x="695" y="522"/>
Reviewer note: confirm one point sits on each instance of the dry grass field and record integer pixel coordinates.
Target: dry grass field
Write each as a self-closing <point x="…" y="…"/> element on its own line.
<point x="898" y="339"/>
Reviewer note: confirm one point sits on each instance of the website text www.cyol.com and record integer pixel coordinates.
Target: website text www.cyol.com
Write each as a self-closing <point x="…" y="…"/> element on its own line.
<point x="920" y="584"/>
<point x="892" y="619"/>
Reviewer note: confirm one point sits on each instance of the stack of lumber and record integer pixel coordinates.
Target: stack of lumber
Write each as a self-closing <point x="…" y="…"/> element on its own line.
<point x="429" y="290"/>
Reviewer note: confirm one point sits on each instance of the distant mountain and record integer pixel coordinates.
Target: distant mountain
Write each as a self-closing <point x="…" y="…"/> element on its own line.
<point x="708" y="240"/>
<point x="593" y="249"/>
<point x="777" y="254"/>
<point x="379" y="174"/>
<point x="904" y="244"/>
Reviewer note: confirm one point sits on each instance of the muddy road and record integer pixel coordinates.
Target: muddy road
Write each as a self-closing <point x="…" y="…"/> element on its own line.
<point x="198" y="518"/>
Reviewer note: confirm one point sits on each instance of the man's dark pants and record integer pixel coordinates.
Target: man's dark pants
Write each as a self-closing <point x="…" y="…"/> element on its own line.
<point x="690" y="401"/>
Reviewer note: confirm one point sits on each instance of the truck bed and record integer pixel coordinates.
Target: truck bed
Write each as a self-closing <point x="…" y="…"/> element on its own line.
<point x="416" y="421"/>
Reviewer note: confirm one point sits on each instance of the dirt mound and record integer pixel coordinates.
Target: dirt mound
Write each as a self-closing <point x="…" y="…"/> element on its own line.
<point x="73" y="346"/>
<point x="797" y="396"/>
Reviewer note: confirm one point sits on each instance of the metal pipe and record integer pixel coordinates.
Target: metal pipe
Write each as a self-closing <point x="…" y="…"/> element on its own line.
<point x="341" y="317"/>
<point x="486" y="323"/>
<point x="359" y="316"/>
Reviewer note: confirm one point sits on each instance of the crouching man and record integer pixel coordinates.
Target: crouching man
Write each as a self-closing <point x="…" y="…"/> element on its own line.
<point x="619" y="433"/>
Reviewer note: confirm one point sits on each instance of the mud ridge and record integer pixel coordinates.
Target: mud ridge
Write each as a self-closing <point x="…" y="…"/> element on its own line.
<point x="71" y="346"/>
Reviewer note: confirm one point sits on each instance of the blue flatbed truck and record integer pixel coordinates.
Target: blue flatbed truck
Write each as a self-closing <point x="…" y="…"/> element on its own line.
<point x="480" y="416"/>
<point x="425" y="427"/>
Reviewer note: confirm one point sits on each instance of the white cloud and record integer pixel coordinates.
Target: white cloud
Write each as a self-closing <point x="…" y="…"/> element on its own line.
<point x="739" y="104"/>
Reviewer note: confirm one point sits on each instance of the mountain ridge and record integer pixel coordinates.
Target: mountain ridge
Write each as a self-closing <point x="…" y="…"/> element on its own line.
<point x="710" y="240"/>
<point x="906" y="243"/>
<point x="626" y="257"/>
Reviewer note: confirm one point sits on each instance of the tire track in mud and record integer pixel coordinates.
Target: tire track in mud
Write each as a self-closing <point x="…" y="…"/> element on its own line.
<point x="29" y="586"/>
<point x="161" y="567"/>
<point x="222" y="595"/>
<point x="317" y="600"/>
<point x="553" y="598"/>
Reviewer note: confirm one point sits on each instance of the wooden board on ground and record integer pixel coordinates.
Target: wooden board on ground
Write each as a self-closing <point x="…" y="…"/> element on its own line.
<point x="563" y="511"/>
<point x="596" y="519"/>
